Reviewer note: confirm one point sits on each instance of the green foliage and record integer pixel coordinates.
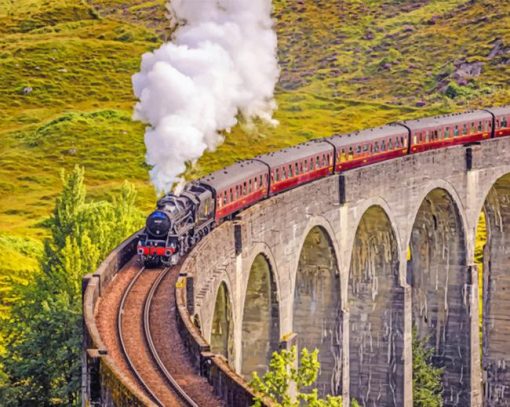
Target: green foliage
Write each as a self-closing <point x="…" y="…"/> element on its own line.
<point x="78" y="57"/>
<point x="481" y="241"/>
<point x="282" y="374"/>
<point x="42" y="359"/>
<point x="427" y="379"/>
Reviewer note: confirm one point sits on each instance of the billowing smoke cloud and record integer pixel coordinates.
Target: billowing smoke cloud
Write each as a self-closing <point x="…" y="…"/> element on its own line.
<point x="220" y="63"/>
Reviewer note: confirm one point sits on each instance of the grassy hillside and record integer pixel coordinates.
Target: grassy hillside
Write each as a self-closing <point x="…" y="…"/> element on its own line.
<point x="66" y="98"/>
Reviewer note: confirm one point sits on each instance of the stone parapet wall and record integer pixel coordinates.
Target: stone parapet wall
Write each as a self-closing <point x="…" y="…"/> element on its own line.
<point x="103" y="383"/>
<point x="229" y="386"/>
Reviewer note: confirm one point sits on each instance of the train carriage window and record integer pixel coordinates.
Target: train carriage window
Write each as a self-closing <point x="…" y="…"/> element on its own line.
<point x="249" y="187"/>
<point x="225" y="198"/>
<point x="376" y="147"/>
<point x="390" y="144"/>
<point x="231" y="195"/>
<point x="504" y="122"/>
<point x="365" y="148"/>
<point x="261" y="183"/>
<point x="290" y="171"/>
<point x="464" y="129"/>
<point x="255" y="182"/>
<point x="427" y="136"/>
<point x="447" y="132"/>
<point x="480" y="128"/>
<point x="436" y="134"/>
<point x="277" y="174"/>
<point x="358" y="149"/>
<point x="245" y="189"/>
<point x="296" y="171"/>
<point x="456" y="131"/>
<point x="403" y="141"/>
<point x="498" y="126"/>
<point x="351" y="154"/>
<point x="383" y="145"/>
<point x="317" y="162"/>
<point x="330" y="159"/>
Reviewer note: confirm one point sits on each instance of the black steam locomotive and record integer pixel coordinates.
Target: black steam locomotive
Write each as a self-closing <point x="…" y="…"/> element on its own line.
<point x="181" y="221"/>
<point x="177" y="224"/>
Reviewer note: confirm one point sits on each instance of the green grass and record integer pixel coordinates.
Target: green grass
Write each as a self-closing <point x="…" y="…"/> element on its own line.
<point x="66" y="95"/>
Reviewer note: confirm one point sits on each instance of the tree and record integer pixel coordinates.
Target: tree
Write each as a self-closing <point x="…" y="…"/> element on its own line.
<point x="427" y="387"/>
<point x="276" y="383"/>
<point x="42" y="361"/>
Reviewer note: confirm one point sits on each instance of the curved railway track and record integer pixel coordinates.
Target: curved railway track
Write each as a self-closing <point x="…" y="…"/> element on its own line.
<point x="163" y="390"/>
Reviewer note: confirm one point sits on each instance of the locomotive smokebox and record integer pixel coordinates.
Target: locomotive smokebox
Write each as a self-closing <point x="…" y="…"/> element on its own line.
<point x="158" y="224"/>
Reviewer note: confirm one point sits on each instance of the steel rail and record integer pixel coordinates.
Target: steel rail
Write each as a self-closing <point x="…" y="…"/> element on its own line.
<point x="121" y="339"/>
<point x="186" y="399"/>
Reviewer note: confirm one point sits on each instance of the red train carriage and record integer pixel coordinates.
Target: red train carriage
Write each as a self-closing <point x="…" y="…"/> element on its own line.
<point x="299" y="164"/>
<point x="237" y="187"/>
<point x="369" y="146"/>
<point x="444" y="131"/>
<point x="501" y="121"/>
<point x="180" y="221"/>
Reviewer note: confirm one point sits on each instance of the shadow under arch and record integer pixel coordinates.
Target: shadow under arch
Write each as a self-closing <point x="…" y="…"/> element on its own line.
<point x="438" y="275"/>
<point x="496" y="300"/>
<point x="317" y="316"/>
<point x="261" y="320"/>
<point x="376" y="313"/>
<point x="222" y="332"/>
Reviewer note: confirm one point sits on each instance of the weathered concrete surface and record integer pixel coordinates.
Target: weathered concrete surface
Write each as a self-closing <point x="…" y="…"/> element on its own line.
<point x="406" y="190"/>
<point x="317" y="319"/>
<point x="261" y="322"/>
<point x="376" y="306"/>
<point x="496" y="332"/>
<point x="439" y="279"/>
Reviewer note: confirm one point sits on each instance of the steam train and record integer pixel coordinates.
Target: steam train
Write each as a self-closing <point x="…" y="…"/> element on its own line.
<point x="179" y="222"/>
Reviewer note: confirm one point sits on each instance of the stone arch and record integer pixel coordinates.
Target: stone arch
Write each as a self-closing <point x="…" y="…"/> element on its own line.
<point x="325" y="225"/>
<point x="317" y="315"/>
<point x="222" y="330"/>
<point x="438" y="184"/>
<point x="439" y="278"/>
<point x="263" y="249"/>
<point x="484" y="186"/>
<point x="260" y="320"/>
<point x="496" y="301"/>
<point x="355" y="220"/>
<point x="376" y="313"/>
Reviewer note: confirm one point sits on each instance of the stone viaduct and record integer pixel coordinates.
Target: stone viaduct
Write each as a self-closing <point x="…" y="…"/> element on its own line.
<point x="353" y="263"/>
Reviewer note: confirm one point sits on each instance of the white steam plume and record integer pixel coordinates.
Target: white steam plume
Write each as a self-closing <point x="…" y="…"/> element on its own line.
<point x="221" y="62"/>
